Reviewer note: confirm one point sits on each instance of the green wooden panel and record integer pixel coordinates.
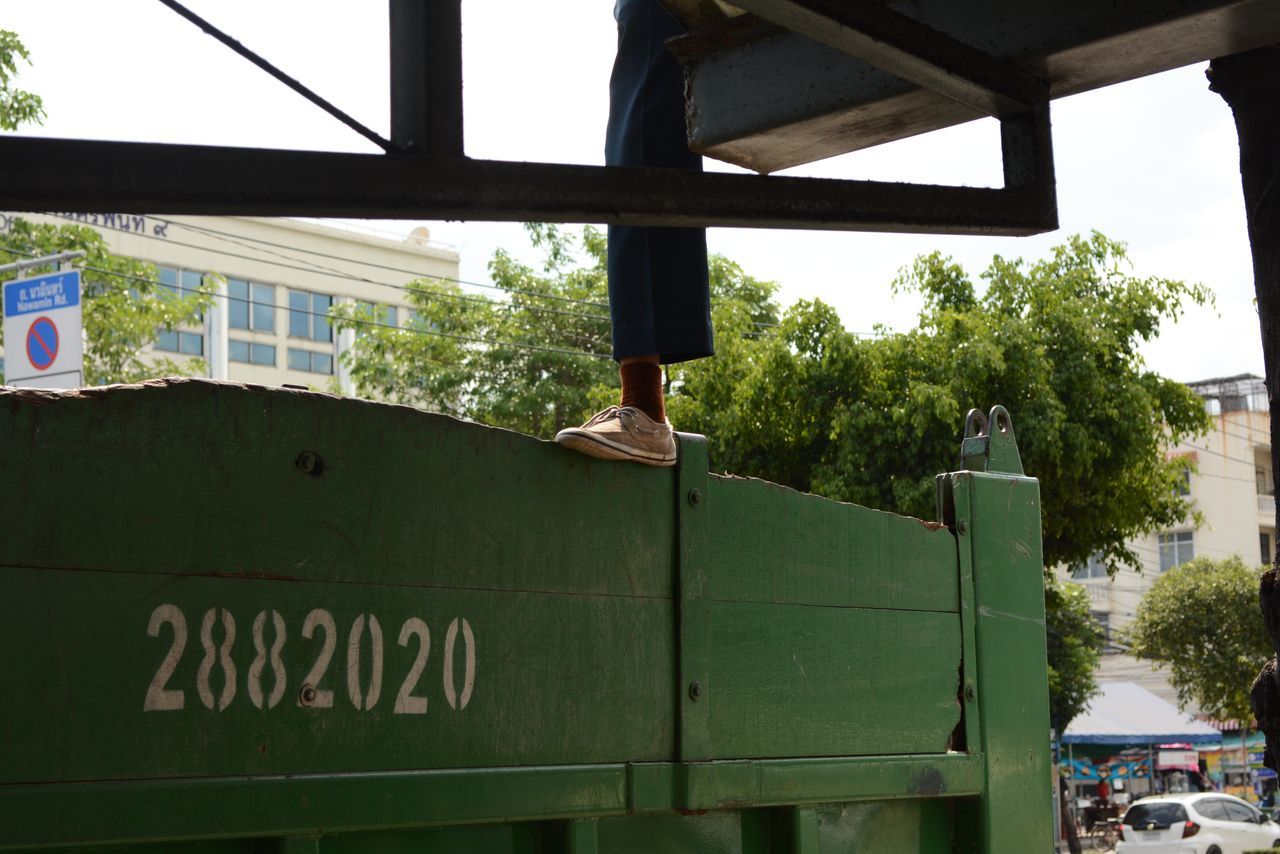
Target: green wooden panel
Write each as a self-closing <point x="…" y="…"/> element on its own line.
<point x="1002" y="532"/>
<point x="899" y="827"/>
<point x="194" y="477"/>
<point x="879" y="827"/>
<point x="591" y="593"/>
<point x="720" y="785"/>
<point x="694" y="611"/>
<point x="81" y="662"/>
<point x="339" y="806"/>
<point x="35" y="817"/>
<point x="773" y="544"/>
<point x="796" y="680"/>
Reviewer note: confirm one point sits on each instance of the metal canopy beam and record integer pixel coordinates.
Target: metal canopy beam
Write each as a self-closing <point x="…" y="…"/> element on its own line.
<point x="768" y="100"/>
<point x="428" y="174"/>
<point x="426" y="77"/>
<point x="904" y="47"/>
<point x="39" y="174"/>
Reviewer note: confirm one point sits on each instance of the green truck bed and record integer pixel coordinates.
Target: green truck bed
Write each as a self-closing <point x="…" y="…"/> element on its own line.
<point x="245" y="619"/>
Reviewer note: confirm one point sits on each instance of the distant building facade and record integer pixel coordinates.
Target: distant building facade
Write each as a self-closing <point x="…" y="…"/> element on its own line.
<point x="268" y="324"/>
<point x="1232" y="488"/>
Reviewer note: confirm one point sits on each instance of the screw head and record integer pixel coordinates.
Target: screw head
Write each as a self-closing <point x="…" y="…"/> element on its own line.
<point x="970" y="693"/>
<point x="962" y="526"/>
<point x="309" y="462"/>
<point x="695" y="690"/>
<point x="695" y="497"/>
<point x="307" y="695"/>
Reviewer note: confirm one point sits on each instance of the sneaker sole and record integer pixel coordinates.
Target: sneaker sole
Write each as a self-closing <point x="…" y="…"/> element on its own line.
<point x="597" y="446"/>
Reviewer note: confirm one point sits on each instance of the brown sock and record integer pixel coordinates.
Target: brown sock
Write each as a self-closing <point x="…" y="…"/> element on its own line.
<point x="642" y="388"/>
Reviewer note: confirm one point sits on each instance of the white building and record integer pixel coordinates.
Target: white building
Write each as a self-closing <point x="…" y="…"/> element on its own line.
<point x="1232" y="488"/>
<point x="268" y="324"/>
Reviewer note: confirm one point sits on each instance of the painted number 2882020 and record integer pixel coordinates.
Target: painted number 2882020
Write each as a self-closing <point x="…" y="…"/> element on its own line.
<point x="266" y="681"/>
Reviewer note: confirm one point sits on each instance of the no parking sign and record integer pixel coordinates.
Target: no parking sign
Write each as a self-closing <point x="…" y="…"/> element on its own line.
<point x="42" y="323"/>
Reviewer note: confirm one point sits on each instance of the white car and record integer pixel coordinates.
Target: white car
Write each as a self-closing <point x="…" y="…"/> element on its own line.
<point x="1196" y="823"/>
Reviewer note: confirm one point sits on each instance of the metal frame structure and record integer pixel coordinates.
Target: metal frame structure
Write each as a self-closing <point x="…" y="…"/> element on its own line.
<point x="427" y="173"/>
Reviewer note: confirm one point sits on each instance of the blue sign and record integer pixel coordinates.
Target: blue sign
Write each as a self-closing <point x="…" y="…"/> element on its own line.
<point x="41" y="294"/>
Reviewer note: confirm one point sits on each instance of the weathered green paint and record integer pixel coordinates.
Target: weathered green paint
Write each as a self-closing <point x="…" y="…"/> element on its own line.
<point x="604" y="701"/>
<point x="997" y="518"/>
<point x="694" y="684"/>
<point x="821" y="552"/>
<point x="716" y="785"/>
<point x="828" y="642"/>
<point x="806" y="680"/>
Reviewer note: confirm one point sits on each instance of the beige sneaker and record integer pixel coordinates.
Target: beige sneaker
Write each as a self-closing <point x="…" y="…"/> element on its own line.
<point x="623" y="433"/>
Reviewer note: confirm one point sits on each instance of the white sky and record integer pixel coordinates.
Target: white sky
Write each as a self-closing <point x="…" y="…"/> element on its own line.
<point x="1152" y="162"/>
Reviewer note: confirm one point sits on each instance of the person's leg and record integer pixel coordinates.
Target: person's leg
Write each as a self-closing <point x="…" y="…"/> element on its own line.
<point x="658" y="290"/>
<point x="659" y="300"/>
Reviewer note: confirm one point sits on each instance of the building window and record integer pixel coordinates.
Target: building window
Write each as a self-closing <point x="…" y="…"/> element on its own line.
<point x="251" y="306"/>
<point x="1175" y="549"/>
<point x="1264" y="542"/>
<point x="1182" y="486"/>
<point x="251" y="353"/>
<point x="309" y="316"/>
<point x="383" y="315"/>
<point x="183" y="283"/>
<point x="1093" y="568"/>
<point x="310" y="361"/>
<point x="186" y="343"/>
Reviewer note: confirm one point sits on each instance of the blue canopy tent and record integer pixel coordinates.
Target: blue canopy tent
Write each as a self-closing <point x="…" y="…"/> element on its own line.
<point x="1126" y="715"/>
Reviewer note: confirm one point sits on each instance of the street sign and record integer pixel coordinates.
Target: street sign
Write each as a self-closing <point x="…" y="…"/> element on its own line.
<point x="42" y="331"/>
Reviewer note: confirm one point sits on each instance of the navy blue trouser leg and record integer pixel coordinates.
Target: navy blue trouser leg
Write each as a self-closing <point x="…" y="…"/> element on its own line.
<point x="659" y="297"/>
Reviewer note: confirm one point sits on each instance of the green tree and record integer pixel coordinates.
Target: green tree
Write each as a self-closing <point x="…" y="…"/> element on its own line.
<point x="1075" y="641"/>
<point x="16" y="106"/>
<point x="123" y="304"/>
<point x="534" y="358"/>
<point x="1202" y="621"/>
<point x="872" y="420"/>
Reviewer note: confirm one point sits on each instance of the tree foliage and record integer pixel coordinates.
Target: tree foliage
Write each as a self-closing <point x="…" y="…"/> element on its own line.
<point x="1075" y="641"/>
<point x="535" y="357"/>
<point x="873" y="420"/>
<point x="123" y="305"/>
<point x="1201" y="619"/>
<point x="17" y="107"/>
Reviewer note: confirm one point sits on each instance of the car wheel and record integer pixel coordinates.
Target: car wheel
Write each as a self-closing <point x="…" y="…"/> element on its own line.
<point x="1276" y="844"/>
<point x="1214" y="850"/>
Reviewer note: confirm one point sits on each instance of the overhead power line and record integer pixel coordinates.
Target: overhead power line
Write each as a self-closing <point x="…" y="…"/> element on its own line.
<point x="409" y="329"/>
<point x="275" y="72"/>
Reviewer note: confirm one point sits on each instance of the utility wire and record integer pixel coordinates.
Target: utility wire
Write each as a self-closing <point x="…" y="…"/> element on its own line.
<point x="217" y="235"/>
<point x="311" y="268"/>
<point x="275" y="72"/>
<point x="374" y="264"/>
<point x="222" y="235"/>
<point x="310" y="313"/>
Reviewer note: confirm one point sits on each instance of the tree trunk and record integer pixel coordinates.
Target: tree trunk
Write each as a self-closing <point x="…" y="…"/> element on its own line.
<point x="1250" y="84"/>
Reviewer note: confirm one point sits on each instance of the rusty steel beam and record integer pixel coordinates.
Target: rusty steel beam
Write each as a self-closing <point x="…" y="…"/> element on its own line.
<point x="75" y="175"/>
<point x="902" y="46"/>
